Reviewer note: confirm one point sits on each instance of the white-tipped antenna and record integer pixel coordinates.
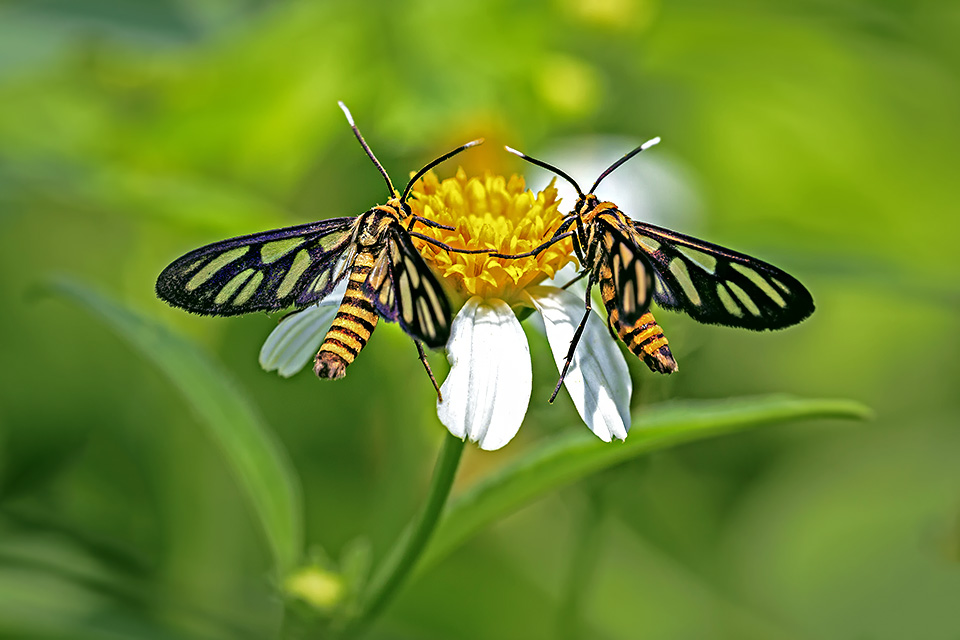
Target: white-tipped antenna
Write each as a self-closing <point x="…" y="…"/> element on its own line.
<point x="432" y="164"/>
<point x="346" y="112"/>
<point x="548" y="167"/>
<point x="366" y="147"/>
<point x="615" y="165"/>
<point x="649" y="143"/>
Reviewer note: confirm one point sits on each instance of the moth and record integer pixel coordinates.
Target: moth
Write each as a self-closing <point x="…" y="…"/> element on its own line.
<point x="301" y="265"/>
<point x="636" y="263"/>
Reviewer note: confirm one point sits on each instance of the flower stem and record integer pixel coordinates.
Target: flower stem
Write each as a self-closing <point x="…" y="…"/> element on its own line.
<point x="412" y="542"/>
<point x="583" y="562"/>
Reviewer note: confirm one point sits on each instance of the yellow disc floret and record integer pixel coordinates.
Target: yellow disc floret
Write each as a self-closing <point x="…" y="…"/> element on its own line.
<point x="489" y="212"/>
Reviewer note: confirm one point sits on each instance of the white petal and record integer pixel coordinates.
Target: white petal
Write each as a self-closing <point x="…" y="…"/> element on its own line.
<point x="296" y="339"/>
<point x="598" y="380"/>
<point x="486" y="394"/>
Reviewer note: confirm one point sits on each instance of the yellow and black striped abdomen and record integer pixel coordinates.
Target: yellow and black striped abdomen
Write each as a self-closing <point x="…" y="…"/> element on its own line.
<point x="352" y="326"/>
<point x="644" y="338"/>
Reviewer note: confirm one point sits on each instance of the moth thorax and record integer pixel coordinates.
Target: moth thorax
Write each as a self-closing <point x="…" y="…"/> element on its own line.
<point x="376" y="222"/>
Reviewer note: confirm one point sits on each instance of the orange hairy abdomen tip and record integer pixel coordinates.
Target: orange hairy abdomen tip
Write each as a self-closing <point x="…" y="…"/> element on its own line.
<point x="329" y="366"/>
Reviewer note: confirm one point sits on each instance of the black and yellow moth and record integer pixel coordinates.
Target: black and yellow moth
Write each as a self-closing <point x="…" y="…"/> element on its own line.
<point x="636" y="263"/>
<point x="299" y="266"/>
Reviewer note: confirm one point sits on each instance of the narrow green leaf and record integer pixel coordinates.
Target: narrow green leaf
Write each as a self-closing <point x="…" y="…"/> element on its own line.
<point x="574" y="456"/>
<point x="252" y="451"/>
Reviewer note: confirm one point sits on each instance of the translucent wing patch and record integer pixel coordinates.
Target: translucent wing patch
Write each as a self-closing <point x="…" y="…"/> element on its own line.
<point x="404" y="290"/>
<point x="715" y="285"/>
<point x="260" y="272"/>
<point x="630" y="270"/>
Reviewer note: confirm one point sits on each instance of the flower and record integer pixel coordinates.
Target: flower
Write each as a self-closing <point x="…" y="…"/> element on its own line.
<point x="322" y="589"/>
<point x="487" y="392"/>
<point x="489" y="213"/>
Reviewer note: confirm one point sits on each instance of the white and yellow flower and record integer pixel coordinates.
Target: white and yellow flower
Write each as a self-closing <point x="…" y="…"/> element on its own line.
<point x="487" y="392"/>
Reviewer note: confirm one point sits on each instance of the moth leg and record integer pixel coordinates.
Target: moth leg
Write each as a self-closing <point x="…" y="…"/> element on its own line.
<point x="573" y="345"/>
<point x="426" y="365"/>
<point x="580" y="276"/>
<point x="444" y="246"/>
<point x="414" y="219"/>
<point x="534" y="252"/>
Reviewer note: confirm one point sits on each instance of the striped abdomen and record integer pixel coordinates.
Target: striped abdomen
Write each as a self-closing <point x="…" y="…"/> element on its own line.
<point x="352" y="326"/>
<point x="644" y="338"/>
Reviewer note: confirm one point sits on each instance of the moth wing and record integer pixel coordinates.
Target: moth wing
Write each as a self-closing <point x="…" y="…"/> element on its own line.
<point x="716" y="285"/>
<point x="631" y="273"/>
<point x="267" y="271"/>
<point x="405" y="291"/>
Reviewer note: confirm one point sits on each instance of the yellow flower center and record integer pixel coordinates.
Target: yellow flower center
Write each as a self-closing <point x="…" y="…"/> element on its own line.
<point x="489" y="212"/>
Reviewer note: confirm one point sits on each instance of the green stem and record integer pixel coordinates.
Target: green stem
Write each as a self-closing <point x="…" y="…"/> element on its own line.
<point x="583" y="561"/>
<point x="409" y="547"/>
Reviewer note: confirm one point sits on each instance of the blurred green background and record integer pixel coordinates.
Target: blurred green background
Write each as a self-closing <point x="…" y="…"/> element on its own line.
<point x="821" y="136"/>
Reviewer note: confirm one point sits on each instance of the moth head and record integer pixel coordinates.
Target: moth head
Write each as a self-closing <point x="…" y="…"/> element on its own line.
<point x="585" y="204"/>
<point x="401" y="207"/>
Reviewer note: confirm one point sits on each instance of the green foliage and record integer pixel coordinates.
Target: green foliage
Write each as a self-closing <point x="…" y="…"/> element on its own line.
<point x="250" y="447"/>
<point x="821" y="137"/>
<point x="572" y="457"/>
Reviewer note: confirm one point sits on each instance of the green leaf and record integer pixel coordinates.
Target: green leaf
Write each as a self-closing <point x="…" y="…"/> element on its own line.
<point x="572" y="457"/>
<point x="252" y="451"/>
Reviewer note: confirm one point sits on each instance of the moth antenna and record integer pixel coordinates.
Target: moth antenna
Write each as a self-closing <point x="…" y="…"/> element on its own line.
<point x="433" y="163"/>
<point x="548" y="167"/>
<point x="615" y="165"/>
<point x="366" y="147"/>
